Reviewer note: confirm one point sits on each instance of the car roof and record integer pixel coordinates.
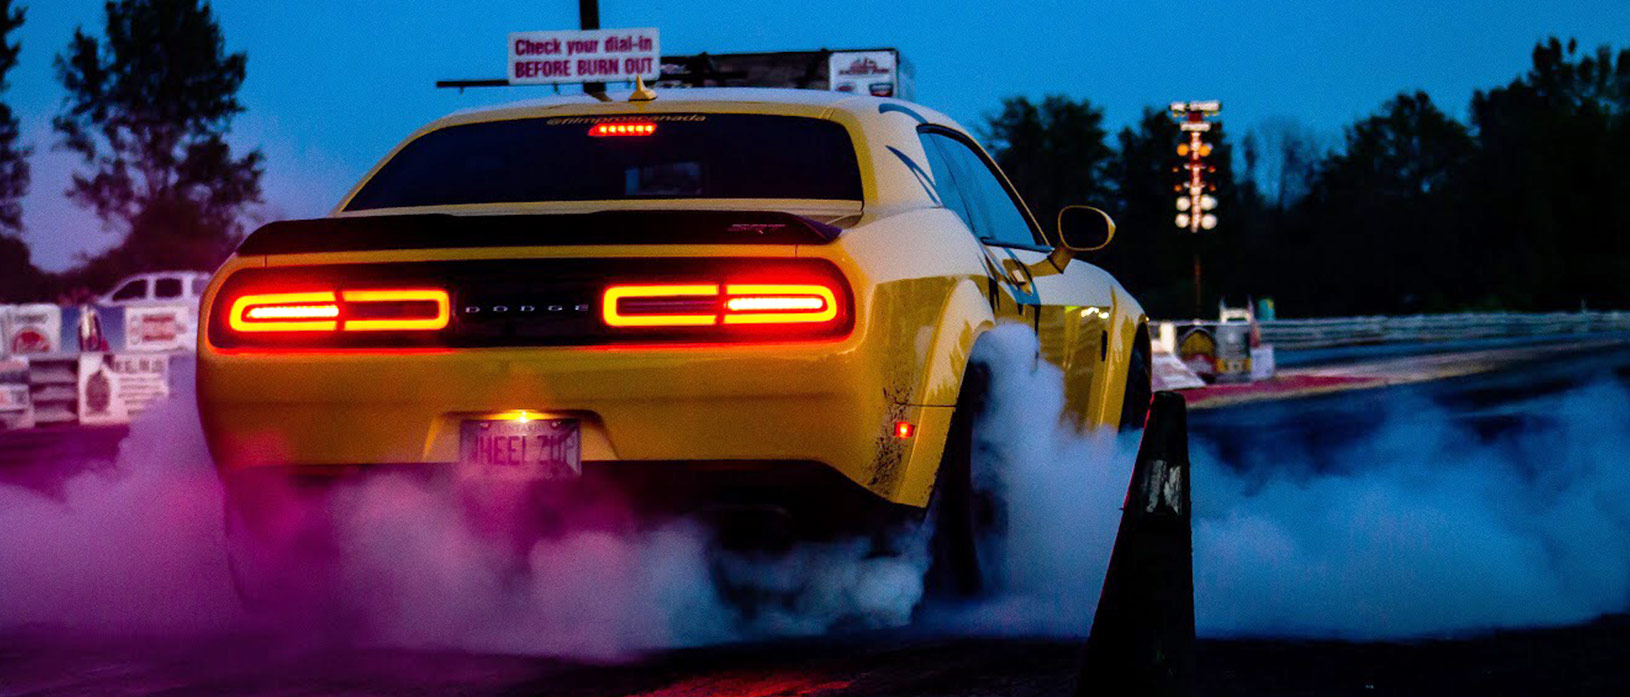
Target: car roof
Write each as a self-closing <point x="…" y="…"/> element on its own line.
<point x="154" y="275"/>
<point x="693" y="97"/>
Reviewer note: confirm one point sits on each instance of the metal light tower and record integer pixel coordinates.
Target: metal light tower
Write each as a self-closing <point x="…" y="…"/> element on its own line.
<point x="1194" y="199"/>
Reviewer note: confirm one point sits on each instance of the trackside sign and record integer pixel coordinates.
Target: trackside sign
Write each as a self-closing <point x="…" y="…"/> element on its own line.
<point x="599" y="55"/>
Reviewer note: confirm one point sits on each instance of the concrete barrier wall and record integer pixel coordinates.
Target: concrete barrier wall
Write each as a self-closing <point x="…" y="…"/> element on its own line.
<point x="1347" y="331"/>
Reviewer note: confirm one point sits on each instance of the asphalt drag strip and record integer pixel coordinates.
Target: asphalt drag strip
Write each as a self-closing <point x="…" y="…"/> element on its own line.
<point x="1593" y="658"/>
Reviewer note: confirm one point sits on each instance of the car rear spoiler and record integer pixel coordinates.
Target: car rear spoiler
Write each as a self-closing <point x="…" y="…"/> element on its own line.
<point x="443" y="231"/>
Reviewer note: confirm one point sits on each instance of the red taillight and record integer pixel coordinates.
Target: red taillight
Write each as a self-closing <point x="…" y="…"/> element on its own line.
<point x="389" y="309"/>
<point x="783" y="303"/>
<point x="668" y="305"/>
<point x="623" y="128"/>
<point x="904" y="429"/>
<point x="314" y="311"/>
<point x="406" y="309"/>
<point x="706" y="304"/>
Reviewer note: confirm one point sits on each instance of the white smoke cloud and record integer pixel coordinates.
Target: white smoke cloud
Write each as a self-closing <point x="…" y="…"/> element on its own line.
<point x="1062" y="489"/>
<point x="1424" y="527"/>
<point x="136" y="547"/>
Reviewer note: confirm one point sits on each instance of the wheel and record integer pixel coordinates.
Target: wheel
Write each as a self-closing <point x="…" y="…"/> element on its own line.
<point x="1139" y="388"/>
<point x="963" y="516"/>
<point x="279" y="551"/>
<point x="250" y="562"/>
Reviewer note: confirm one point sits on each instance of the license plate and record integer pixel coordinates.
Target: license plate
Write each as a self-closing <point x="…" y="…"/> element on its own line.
<point x="531" y="449"/>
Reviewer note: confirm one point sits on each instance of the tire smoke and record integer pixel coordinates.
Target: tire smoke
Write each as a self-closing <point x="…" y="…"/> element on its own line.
<point x="138" y="547"/>
<point x="1428" y="526"/>
<point x="1062" y="491"/>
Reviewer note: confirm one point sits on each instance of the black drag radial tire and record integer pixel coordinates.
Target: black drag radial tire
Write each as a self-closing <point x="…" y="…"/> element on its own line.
<point x="1139" y="386"/>
<point x="954" y="567"/>
<point x="249" y="582"/>
<point x="292" y="570"/>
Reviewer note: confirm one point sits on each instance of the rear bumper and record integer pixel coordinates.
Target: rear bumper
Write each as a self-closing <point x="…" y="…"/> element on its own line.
<point x="825" y="403"/>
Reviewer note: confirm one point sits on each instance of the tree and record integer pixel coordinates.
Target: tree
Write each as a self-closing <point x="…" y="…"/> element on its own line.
<point x="1386" y="224"/>
<point x="13" y="155"/>
<point x="1144" y="254"/>
<point x="1549" y="179"/>
<point x="1280" y="155"/>
<point x="148" y="109"/>
<point x="1054" y="152"/>
<point x="1151" y="255"/>
<point x="19" y="279"/>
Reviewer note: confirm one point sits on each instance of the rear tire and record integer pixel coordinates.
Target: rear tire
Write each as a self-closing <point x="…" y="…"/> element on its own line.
<point x="279" y="551"/>
<point x="1139" y="384"/>
<point x="956" y="511"/>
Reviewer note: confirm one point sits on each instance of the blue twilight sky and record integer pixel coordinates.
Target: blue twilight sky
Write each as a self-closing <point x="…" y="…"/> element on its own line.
<point x="334" y="83"/>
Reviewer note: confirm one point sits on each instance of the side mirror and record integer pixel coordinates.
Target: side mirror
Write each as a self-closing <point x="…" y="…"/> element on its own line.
<point x="1084" y="228"/>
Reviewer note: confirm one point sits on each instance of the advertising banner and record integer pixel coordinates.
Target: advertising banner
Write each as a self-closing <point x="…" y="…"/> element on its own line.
<point x="16" y="411"/>
<point x="599" y="55"/>
<point x="113" y="387"/>
<point x="877" y="73"/>
<point x="158" y="328"/>
<point x="33" y="329"/>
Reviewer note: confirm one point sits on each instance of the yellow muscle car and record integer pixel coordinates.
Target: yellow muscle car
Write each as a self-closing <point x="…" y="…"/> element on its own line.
<point x="714" y="300"/>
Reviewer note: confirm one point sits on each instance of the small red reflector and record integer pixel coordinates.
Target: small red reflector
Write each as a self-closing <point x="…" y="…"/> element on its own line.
<point x="623" y="128"/>
<point x="904" y="429"/>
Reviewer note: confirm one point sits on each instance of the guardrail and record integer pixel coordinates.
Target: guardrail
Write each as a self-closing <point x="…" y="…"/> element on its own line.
<point x="1347" y="331"/>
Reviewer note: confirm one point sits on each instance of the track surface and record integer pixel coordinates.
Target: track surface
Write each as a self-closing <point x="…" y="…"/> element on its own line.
<point x="1592" y="659"/>
<point x="1587" y="659"/>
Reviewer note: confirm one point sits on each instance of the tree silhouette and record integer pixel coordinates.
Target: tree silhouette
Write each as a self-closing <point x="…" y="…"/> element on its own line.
<point x="148" y="108"/>
<point x="1053" y="152"/>
<point x="1382" y="215"/>
<point x="19" y="280"/>
<point x="1550" y="180"/>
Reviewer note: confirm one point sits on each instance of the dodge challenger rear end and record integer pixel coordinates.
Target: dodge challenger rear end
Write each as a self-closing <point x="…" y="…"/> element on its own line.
<point x="717" y="299"/>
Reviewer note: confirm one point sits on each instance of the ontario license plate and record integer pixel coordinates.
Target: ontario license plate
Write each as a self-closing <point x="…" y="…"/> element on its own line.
<point x="531" y="449"/>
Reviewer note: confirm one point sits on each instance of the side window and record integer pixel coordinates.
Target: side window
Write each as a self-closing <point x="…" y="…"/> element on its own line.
<point x="134" y="290"/>
<point x="995" y="213"/>
<point x="167" y="288"/>
<point x="945" y="185"/>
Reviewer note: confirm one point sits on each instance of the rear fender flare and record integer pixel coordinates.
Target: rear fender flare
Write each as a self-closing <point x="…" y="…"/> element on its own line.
<point x="965" y="318"/>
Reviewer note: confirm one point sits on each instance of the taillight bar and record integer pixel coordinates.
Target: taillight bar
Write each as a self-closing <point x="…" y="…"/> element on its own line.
<point x="703" y="304"/>
<point x="614" y="314"/>
<point x="315" y="311"/>
<point x="362" y="310"/>
<point x="403" y="299"/>
<point x="782" y="303"/>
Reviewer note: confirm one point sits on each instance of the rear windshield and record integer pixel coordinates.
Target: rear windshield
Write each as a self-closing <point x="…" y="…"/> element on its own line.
<point x="556" y="159"/>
